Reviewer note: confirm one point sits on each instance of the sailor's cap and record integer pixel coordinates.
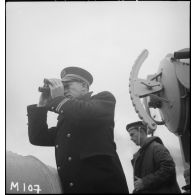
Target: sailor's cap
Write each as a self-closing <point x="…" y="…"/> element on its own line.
<point x="136" y="124"/>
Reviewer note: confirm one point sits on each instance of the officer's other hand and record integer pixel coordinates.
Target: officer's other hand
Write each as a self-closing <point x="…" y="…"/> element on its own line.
<point x="43" y="99"/>
<point x="138" y="183"/>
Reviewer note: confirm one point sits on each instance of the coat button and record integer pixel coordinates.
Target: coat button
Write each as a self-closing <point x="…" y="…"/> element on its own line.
<point x="69" y="158"/>
<point x="71" y="184"/>
<point x="68" y="135"/>
<point x="61" y="111"/>
<point x="57" y="146"/>
<point x="52" y="107"/>
<point x="58" y="168"/>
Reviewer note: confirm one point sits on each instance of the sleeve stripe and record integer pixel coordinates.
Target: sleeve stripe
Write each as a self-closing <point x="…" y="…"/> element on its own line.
<point x="61" y="103"/>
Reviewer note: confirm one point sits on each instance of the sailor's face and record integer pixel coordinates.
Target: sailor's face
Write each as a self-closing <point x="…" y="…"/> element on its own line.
<point x="134" y="135"/>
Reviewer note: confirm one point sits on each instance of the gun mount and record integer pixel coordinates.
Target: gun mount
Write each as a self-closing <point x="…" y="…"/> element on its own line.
<point x="168" y="91"/>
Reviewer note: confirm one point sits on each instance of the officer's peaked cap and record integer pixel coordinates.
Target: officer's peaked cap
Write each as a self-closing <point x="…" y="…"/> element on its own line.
<point x="76" y="73"/>
<point x="135" y="125"/>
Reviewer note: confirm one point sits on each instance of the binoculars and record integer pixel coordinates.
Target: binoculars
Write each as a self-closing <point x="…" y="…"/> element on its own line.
<point x="46" y="88"/>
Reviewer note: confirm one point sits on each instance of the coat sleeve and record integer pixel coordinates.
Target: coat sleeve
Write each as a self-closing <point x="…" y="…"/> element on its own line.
<point x="100" y="106"/>
<point x="165" y="170"/>
<point x="38" y="131"/>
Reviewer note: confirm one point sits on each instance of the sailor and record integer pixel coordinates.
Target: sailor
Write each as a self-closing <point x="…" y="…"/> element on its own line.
<point x="153" y="166"/>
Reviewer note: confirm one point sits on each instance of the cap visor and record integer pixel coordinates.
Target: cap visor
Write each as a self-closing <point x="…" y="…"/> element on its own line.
<point x="66" y="79"/>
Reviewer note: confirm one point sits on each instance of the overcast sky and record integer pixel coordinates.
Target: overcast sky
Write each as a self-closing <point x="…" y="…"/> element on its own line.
<point x="103" y="37"/>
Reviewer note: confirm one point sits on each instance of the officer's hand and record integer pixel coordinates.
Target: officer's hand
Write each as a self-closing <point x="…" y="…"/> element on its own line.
<point x="56" y="88"/>
<point x="138" y="183"/>
<point x="45" y="96"/>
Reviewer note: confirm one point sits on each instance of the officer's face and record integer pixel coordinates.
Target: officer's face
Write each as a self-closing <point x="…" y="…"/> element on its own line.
<point x="74" y="89"/>
<point x="135" y="136"/>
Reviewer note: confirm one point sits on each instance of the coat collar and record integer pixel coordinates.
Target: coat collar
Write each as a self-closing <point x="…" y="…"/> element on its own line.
<point x="86" y="96"/>
<point x="146" y="144"/>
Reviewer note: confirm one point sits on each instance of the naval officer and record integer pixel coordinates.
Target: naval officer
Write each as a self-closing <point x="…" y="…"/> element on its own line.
<point x="85" y="151"/>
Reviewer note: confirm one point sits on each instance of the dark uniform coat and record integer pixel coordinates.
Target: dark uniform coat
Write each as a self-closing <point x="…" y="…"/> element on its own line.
<point x="85" y="150"/>
<point x="155" y="166"/>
